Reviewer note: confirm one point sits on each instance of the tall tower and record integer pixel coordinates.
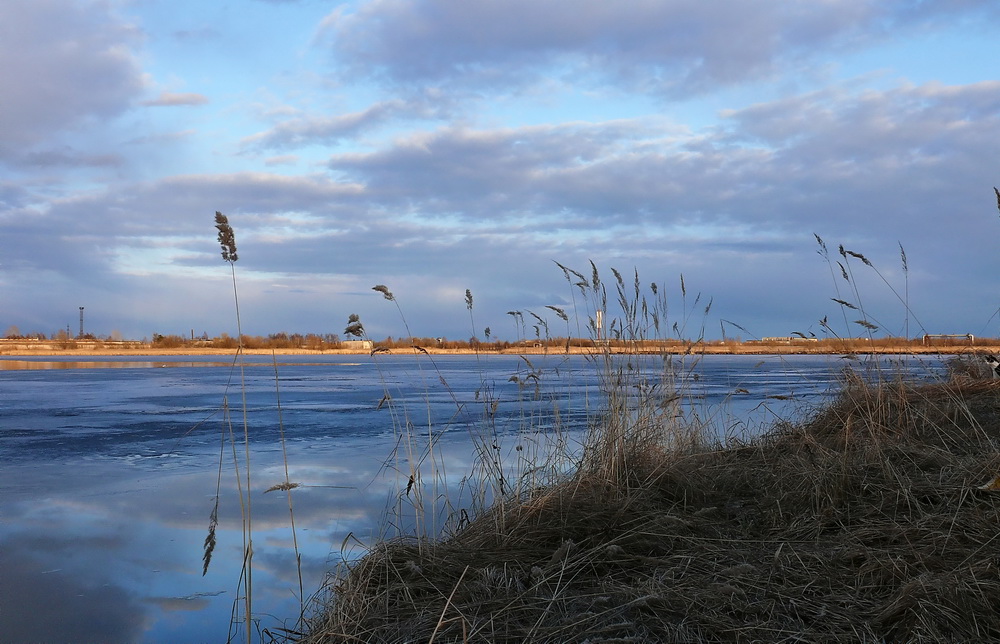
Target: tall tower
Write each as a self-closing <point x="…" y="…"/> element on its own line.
<point x="81" y="322"/>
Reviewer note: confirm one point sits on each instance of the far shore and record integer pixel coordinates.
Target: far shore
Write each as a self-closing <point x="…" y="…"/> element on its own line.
<point x="23" y="348"/>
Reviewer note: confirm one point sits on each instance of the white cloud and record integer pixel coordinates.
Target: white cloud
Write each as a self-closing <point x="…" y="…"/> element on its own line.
<point x="70" y="63"/>
<point x="174" y="99"/>
<point x="283" y="159"/>
<point x="331" y="130"/>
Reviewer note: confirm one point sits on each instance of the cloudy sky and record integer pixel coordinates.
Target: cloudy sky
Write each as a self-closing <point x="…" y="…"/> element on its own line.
<point x="436" y="146"/>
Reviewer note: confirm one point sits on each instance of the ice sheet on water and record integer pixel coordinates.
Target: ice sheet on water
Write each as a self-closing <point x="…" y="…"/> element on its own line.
<point x="110" y="473"/>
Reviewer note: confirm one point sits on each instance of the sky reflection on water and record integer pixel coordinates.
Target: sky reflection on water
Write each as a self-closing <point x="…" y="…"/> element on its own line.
<point x="124" y="541"/>
<point x="109" y="474"/>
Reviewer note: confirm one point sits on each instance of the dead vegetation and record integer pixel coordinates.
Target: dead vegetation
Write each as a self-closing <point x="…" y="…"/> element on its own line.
<point x="864" y="522"/>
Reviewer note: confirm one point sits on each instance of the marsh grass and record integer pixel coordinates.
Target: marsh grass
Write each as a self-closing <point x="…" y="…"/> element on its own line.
<point x="549" y="482"/>
<point x="809" y="534"/>
<point x="866" y="519"/>
<point x="864" y="522"/>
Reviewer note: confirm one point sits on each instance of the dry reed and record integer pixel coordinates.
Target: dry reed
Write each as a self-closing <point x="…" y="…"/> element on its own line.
<point x="862" y="523"/>
<point x="867" y="521"/>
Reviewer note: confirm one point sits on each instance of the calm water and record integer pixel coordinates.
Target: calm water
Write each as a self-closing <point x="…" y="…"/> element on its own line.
<point x="110" y="470"/>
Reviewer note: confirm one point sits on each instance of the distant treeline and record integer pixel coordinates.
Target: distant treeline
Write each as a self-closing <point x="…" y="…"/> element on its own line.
<point x="332" y="341"/>
<point x="319" y="342"/>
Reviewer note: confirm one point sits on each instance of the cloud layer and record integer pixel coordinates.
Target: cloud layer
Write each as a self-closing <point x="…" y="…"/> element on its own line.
<point x="669" y="48"/>
<point x="72" y="65"/>
<point x="445" y="145"/>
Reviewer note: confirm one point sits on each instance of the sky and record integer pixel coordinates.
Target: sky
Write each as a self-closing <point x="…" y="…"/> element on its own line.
<point x="437" y="146"/>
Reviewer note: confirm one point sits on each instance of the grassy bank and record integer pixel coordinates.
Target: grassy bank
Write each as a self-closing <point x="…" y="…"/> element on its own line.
<point x="863" y="522"/>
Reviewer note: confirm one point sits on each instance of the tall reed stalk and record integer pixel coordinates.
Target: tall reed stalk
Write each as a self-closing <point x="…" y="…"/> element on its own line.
<point x="227" y="243"/>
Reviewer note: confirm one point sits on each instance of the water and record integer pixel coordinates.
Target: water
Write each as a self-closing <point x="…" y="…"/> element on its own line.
<point x="111" y="468"/>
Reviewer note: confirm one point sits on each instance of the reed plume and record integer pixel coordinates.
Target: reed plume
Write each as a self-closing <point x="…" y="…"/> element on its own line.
<point x="354" y="327"/>
<point x="227" y="238"/>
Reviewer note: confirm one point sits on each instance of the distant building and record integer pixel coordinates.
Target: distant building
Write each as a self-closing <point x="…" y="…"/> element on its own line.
<point x="357" y="345"/>
<point x="930" y="337"/>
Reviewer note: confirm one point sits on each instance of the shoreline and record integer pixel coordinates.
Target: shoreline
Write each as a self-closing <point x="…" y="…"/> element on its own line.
<point x="23" y="349"/>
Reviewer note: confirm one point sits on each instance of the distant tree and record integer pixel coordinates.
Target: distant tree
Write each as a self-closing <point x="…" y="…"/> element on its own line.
<point x="168" y="341"/>
<point x="252" y="341"/>
<point x="224" y="341"/>
<point x="12" y="332"/>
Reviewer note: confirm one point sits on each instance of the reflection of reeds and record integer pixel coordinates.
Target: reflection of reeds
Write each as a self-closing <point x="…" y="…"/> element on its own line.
<point x="209" y="546"/>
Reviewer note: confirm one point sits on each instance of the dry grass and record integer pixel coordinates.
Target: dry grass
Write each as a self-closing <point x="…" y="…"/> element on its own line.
<point x="865" y="522"/>
<point x="862" y="523"/>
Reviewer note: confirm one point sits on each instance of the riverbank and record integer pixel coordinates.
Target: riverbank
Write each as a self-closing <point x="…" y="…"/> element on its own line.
<point x="872" y="520"/>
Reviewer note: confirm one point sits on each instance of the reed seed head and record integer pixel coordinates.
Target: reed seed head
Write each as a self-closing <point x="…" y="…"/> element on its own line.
<point x="558" y="311"/>
<point x="859" y="256"/>
<point x="354" y="326"/>
<point x="844" y="303"/>
<point x="227" y="238"/>
<point x="822" y="245"/>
